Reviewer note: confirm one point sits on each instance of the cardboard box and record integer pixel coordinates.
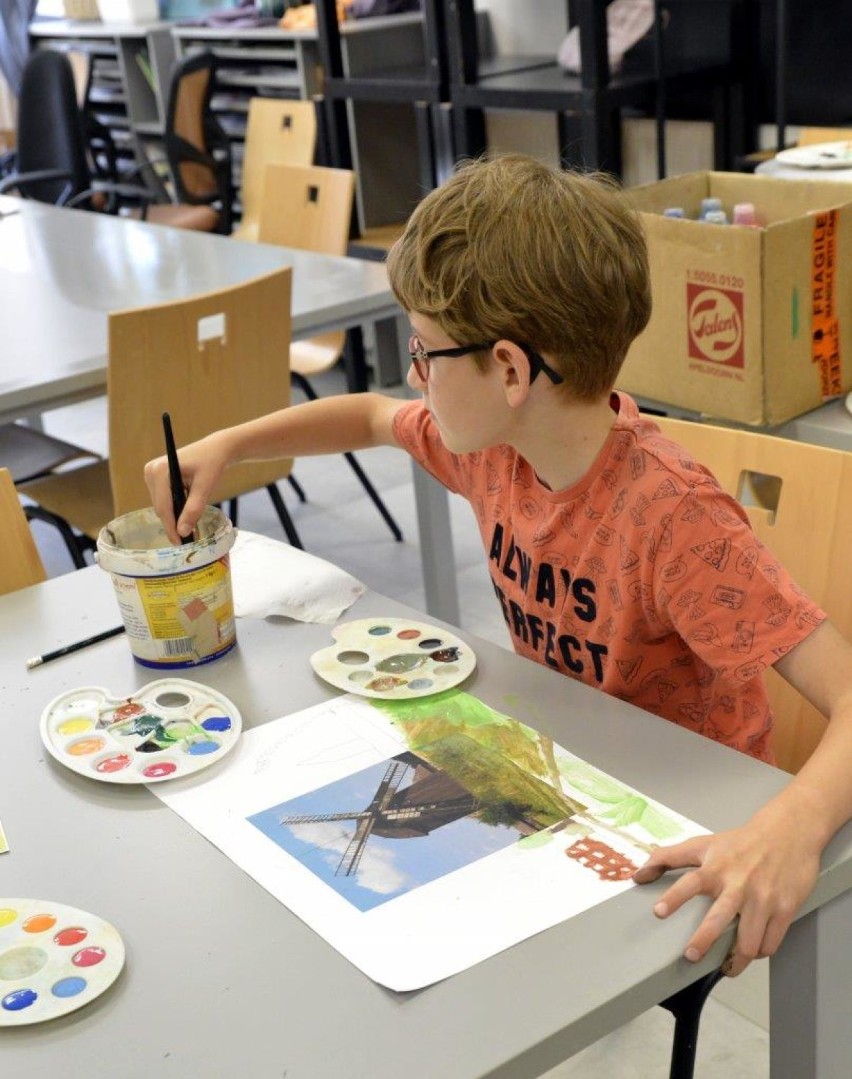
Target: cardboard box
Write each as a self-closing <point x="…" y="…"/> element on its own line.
<point x="749" y="325"/>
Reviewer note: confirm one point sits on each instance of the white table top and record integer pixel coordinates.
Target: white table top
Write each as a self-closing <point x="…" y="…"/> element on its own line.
<point x="63" y="271"/>
<point x="222" y="980"/>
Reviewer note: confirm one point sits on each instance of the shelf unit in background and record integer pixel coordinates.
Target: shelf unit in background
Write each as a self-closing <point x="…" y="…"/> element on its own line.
<point x="270" y="62"/>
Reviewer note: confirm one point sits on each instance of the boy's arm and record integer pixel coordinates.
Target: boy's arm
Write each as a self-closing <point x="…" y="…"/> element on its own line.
<point x="329" y="425"/>
<point x="763" y="871"/>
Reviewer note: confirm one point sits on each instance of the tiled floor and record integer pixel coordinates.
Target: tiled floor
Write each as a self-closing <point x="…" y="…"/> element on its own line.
<point x="339" y="523"/>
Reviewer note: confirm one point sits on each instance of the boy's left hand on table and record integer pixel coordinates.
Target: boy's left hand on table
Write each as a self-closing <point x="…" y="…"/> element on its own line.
<point x="749" y="872"/>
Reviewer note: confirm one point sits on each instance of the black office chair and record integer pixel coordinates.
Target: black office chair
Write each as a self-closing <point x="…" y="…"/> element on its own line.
<point x="57" y="144"/>
<point x="197" y="148"/>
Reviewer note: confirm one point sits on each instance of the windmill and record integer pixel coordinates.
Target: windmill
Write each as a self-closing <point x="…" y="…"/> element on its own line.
<point x="431" y="800"/>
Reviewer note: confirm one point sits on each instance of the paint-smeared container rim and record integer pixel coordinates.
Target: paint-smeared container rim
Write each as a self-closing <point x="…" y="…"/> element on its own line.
<point x="136" y="544"/>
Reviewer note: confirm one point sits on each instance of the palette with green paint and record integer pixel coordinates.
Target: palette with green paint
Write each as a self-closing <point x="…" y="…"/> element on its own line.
<point x="53" y="959"/>
<point x="393" y="659"/>
<point x="168" y="729"/>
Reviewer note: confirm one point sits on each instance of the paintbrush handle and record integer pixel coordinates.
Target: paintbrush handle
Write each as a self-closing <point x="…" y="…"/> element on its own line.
<point x="175" y="478"/>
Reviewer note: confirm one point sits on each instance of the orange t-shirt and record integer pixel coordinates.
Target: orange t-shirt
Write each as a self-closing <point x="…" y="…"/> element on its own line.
<point x="644" y="579"/>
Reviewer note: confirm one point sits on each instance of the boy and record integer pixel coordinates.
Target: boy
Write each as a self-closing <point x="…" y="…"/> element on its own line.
<point x="614" y="556"/>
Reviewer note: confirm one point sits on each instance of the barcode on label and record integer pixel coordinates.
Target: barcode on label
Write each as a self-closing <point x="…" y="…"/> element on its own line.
<point x="177" y="646"/>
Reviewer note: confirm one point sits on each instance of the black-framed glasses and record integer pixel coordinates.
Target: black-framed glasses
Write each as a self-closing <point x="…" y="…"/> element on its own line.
<point x="420" y="357"/>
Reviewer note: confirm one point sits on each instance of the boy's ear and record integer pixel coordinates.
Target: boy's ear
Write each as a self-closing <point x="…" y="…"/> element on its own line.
<point x="514" y="369"/>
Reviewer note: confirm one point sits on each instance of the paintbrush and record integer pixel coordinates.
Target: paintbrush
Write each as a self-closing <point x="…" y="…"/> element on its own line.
<point x="175" y="479"/>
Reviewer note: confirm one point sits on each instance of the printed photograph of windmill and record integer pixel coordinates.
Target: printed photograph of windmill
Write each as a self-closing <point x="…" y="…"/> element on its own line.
<point x="472" y="783"/>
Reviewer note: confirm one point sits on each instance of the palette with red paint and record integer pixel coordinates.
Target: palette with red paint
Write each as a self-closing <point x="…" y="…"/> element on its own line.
<point x="166" y="730"/>
<point x="53" y="959"/>
<point x="393" y="659"/>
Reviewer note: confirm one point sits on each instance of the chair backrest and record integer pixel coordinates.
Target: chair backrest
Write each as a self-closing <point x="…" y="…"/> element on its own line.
<point x="198" y="150"/>
<point x="50" y="128"/>
<point x="810" y="136"/>
<point x="210" y="362"/>
<point x="307" y="207"/>
<point x="278" y="132"/>
<point x="20" y="565"/>
<point x="799" y="500"/>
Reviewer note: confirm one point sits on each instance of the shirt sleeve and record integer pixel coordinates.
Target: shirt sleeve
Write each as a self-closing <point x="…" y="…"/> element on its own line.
<point x="417" y="433"/>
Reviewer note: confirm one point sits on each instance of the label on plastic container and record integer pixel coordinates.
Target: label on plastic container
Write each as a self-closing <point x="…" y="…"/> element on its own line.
<point x="179" y="620"/>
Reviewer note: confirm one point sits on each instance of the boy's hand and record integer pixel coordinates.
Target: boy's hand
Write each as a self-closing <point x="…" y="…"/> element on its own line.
<point x="201" y="465"/>
<point x="761" y="872"/>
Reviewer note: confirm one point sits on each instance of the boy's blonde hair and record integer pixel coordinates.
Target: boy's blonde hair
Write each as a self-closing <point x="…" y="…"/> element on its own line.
<point x="510" y="248"/>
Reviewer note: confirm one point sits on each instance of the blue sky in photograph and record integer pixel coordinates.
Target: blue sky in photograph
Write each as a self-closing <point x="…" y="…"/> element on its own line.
<point x="388" y="867"/>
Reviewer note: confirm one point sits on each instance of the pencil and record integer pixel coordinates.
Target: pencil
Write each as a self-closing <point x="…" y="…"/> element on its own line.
<point x="175" y="479"/>
<point x="37" y="661"/>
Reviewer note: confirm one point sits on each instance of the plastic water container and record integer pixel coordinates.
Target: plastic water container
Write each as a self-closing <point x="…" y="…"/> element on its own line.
<point x="176" y="602"/>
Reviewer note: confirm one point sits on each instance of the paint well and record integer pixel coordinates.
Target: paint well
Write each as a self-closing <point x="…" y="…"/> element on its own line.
<point x="69" y="987"/>
<point x="157" y="771"/>
<point x="19" y="999"/>
<point x="173" y="699"/>
<point x="21" y="963"/>
<point x="352" y="657"/>
<point x="199" y="749"/>
<point x="7" y="916"/>
<point x="75" y="726"/>
<point x="74" y="934"/>
<point x="88" y="957"/>
<point x="408" y="634"/>
<point x="379" y="631"/>
<point x="217" y="723"/>
<point x="39" y="923"/>
<point x="400" y="664"/>
<point x="84" y="746"/>
<point x="113" y="764"/>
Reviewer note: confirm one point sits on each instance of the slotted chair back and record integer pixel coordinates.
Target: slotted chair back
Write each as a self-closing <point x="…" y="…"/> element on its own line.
<point x="278" y="132"/>
<point x="310" y="208"/>
<point x="210" y="362"/>
<point x="21" y="564"/>
<point x="799" y="500"/>
<point x="307" y="207"/>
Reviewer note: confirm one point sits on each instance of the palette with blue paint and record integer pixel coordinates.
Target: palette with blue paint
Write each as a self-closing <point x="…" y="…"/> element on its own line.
<point x="166" y="730"/>
<point x="53" y="959"/>
<point x="393" y="659"/>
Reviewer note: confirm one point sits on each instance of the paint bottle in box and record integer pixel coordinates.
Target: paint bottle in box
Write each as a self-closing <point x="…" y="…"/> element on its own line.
<point x="709" y="205"/>
<point x="176" y="602"/>
<point x="674" y="211"/>
<point x="744" y="214"/>
<point x="715" y="217"/>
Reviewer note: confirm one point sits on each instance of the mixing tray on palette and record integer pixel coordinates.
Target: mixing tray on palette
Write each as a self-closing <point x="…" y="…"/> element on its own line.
<point x="167" y="729"/>
<point x="393" y="658"/>
<point x="53" y="959"/>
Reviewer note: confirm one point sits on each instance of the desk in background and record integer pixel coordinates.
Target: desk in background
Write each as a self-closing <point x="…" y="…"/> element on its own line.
<point x="222" y="980"/>
<point x="63" y="271"/>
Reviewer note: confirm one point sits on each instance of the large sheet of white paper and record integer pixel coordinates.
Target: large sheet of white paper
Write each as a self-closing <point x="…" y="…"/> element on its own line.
<point x="420" y="837"/>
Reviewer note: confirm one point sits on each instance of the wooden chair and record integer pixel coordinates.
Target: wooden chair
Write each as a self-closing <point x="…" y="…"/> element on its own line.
<point x="211" y="362"/>
<point x="799" y="500"/>
<point x="20" y="565"/>
<point x="278" y="132"/>
<point x="310" y="208"/>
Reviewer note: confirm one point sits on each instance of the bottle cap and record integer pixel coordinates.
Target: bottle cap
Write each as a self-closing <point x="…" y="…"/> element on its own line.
<point x="674" y="211"/>
<point x="716" y="217"/>
<point x="710" y="204"/>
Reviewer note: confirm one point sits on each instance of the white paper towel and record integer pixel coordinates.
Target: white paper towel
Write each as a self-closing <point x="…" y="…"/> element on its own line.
<point x="272" y="578"/>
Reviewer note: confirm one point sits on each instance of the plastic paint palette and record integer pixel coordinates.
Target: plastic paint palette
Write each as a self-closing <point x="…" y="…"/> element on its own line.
<point x="53" y="960"/>
<point x="393" y="658"/>
<point x="168" y="729"/>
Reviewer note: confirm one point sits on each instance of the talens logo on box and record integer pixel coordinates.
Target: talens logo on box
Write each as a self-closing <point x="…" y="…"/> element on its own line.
<point x="715" y="318"/>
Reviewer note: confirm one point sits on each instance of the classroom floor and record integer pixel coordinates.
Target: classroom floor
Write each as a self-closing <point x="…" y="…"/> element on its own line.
<point x="340" y="523"/>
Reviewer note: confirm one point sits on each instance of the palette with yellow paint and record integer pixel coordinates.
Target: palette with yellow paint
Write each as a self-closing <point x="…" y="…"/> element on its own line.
<point x="393" y="659"/>
<point x="53" y="959"/>
<point x="168" y="729"/>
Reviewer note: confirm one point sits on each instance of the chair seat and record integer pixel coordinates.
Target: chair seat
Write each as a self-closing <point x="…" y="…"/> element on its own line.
<point x="316" y="354"/>
<point x="28" y="453"/>
<point x="82" y="496"/>
<point x="181" y="216"/>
